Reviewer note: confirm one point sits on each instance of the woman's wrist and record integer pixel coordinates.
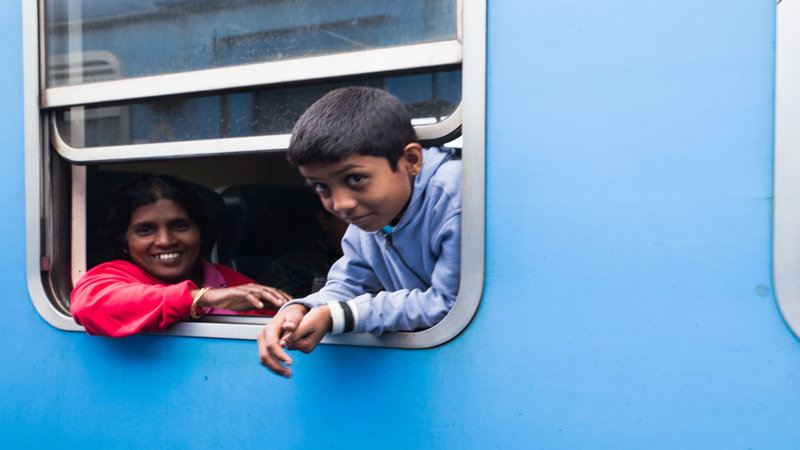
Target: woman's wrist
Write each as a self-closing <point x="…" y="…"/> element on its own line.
<point x="198" y="310"/>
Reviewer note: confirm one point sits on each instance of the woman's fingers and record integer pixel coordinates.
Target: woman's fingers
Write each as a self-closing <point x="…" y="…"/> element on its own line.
<point x="275" y="296"/>
<point x="247" y="296"/>
<point x="254" y="300"/>
<point x="278" y="294"/>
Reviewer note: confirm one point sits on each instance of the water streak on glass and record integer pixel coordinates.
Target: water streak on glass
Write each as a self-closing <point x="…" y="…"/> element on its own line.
<point x="97" y="40"/>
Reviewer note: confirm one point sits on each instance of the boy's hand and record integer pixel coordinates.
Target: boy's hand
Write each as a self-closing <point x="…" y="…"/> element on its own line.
<point x="270" y="339"/>
<point x="315" y="324"/>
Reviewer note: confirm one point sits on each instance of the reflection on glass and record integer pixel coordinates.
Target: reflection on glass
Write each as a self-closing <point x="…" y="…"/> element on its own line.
<point x="429" y="97"/>
<point x="93" y="40"/>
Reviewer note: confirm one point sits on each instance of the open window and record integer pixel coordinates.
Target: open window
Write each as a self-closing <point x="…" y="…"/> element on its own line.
<point x="210" y="91"/>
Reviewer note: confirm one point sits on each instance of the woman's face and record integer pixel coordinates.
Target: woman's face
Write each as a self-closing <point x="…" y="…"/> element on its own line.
<point x="163" y="240"/>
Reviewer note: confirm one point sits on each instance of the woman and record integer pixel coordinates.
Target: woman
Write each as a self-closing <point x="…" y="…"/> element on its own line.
<point x="158" y="223"/>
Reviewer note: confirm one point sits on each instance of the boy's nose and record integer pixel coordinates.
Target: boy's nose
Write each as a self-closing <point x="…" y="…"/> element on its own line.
<point x="342" y="201"/>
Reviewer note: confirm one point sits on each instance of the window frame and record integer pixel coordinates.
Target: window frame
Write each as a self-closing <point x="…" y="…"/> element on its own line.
<point x="390" y="59"/>
<point x="210" y="147"/>
<point x="786" y="213"/>
<point x="40" y="132"/>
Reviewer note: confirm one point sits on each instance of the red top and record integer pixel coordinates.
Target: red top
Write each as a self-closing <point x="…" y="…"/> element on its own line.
<point x="118" y="299"/>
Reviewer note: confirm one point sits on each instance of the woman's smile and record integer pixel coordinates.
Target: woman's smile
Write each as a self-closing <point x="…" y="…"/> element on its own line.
<point x="168" y="257"/>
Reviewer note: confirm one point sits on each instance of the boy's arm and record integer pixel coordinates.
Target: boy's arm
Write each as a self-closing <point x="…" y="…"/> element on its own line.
<point x="404" y="309"/>
<point x="357" y="302"/>
<point x="304" y="322"/>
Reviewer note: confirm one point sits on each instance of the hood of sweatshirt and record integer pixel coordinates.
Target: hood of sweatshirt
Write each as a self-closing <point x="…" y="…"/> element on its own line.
<point x="432" y="159"/>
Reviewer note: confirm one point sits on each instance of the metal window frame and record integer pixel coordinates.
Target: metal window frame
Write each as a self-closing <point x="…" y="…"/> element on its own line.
<point x="210" y="147"/>
<point x="472" y="113"/>
<point x="416" y="56"/>
<point x="786" y="219"/>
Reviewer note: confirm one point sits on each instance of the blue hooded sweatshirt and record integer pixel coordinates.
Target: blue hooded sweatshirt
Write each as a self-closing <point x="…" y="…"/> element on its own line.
<point x="403" y="278"/>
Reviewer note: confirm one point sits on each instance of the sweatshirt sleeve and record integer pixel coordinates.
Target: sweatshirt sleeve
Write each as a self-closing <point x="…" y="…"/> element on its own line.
<point x="108" y="301"/>
<point x="413" y="309"/>
<point x="359" y="304"/>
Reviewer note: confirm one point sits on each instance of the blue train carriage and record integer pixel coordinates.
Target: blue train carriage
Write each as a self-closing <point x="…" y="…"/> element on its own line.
<point x="617" y="282"/>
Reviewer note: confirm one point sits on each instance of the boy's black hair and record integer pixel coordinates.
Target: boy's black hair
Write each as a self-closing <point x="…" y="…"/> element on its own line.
<point x="362" y="120"/>
<point x="144" y="190"/>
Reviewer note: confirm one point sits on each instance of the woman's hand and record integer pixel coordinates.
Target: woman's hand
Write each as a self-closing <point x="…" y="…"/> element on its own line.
<point x="242" y="298"/>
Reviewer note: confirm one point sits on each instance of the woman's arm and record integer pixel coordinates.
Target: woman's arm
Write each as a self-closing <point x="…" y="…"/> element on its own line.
<point x="118" y="299"/>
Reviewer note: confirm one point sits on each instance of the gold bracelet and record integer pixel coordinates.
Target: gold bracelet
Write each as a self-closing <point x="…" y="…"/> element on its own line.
<point x="193" y="311"/>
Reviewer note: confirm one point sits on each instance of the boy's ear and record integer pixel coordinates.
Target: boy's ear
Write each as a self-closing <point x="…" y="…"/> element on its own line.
<point x="412" y="157"/>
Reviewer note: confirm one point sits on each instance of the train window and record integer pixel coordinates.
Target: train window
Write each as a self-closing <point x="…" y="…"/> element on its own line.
<point x="194" y="35"/>
<point x="786" y="232"/>
<point x="209" y="91"/>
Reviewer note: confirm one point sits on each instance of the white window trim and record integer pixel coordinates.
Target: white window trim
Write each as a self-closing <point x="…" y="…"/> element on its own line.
<point x="34" y="207"/>
<point x="415" y="56"/>
<point x="473" y="216"/>
<point x="786" y="232"/>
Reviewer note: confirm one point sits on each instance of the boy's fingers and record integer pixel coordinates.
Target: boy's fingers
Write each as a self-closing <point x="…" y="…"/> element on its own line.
<point x="306" y="337"/>
<point x="271" y="354"/>
<point x="291" y="317"/>
<point x="277" y="334"/>
<point x="287" y="339"/>
<point x="292" y="334"/>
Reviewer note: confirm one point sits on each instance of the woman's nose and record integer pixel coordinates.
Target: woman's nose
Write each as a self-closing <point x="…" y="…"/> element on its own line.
<point x="164" y="238"/>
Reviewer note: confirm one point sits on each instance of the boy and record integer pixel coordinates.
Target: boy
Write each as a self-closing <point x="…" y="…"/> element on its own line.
<point x="402" y="250"/>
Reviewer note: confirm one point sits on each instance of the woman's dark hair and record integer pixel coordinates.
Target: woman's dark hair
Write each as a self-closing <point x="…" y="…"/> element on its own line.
<point x="145" y="190"/>
<point x="362" y="120"/>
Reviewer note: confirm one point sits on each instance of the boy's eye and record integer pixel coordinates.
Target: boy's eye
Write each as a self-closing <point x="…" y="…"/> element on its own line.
<point x="319" y="187"/>
<point x="355" y="179"/>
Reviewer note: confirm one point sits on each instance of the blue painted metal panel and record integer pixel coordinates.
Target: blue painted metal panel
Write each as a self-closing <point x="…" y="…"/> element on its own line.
<point x="638" y="211"/>
<point x="628" y="289"/>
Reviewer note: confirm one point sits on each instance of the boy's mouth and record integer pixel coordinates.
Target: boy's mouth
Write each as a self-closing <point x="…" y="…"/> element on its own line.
<point x="357" y="220"/>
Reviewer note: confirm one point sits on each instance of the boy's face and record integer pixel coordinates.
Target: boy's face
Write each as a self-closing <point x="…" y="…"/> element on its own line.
<point x="364" y="190"/>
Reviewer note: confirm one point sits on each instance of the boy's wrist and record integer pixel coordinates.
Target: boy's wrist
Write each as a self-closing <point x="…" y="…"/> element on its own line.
<point x="329" y="323"/>
<point x="298" y="302"/>
<point x="299" y="306"/>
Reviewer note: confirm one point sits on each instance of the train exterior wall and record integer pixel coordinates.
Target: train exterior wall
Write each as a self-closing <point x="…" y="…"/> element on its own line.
<point x="628" y="299"/>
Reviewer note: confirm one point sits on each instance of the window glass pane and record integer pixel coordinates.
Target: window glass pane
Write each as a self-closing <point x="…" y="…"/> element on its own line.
<point x="431" y="96"/>
<point x="152" y="37"/>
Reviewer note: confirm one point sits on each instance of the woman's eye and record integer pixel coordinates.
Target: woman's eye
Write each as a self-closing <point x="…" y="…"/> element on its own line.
<point x="182" y="225"/>
<point x="143" y="231"/>
<point x="355" y="179"/>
